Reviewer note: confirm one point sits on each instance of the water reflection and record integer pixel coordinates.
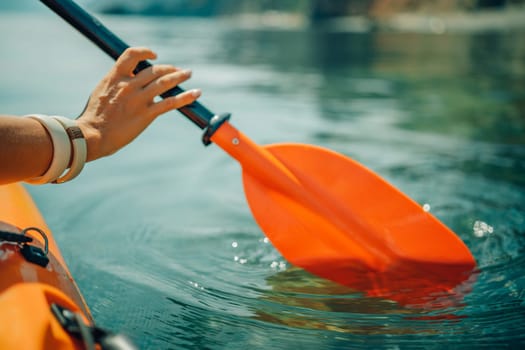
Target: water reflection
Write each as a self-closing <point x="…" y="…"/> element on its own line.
<point x="313" y="303"/>
<point x="452" y="84"/>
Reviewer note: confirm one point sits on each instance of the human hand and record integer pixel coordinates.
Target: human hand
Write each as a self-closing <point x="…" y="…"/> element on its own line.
<point x="122" y="105"/>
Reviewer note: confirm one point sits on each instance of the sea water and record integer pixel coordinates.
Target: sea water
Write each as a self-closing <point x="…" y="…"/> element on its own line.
<point x="159" y="236"/>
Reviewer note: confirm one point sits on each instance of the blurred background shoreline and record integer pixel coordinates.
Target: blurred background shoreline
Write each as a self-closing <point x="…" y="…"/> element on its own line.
<point x="438" y="16"/>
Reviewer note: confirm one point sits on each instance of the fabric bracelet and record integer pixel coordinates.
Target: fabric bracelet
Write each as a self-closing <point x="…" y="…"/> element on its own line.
<point x="79" y="148"/>
<point x="61" y="149"/>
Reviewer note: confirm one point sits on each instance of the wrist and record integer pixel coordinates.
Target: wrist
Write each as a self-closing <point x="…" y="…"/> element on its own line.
<point x="69" y="149"/>
<point x="92" y="137"/>
<point x="78" y="148"/>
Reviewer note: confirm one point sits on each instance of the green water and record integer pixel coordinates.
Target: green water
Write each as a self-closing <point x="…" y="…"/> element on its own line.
<point x="160" y="239"/>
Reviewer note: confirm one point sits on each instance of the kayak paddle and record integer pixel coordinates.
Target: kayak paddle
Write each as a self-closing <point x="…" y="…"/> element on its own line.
<point x="323" y="211"/>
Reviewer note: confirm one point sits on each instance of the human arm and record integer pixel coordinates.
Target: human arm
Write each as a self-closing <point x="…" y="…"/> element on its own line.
<point x="119" y="109"/>
<point x="25" y="149"/>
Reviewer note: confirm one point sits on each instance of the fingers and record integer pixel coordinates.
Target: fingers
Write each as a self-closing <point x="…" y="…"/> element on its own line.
<point x="174" y="102"/>
<point x="149" y="74"/>
<point x="163" y="83"/>
<point x="153" y="81"/>
<point x="129" y="59"/>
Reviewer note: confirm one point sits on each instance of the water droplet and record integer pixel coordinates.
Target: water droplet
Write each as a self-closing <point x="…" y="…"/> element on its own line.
<point x="281" y="266"/>
<point x="426" y="207"/>
<point x="481" y="229"/>
<point x="235" y="244"/>
<point x="196" y="285"/>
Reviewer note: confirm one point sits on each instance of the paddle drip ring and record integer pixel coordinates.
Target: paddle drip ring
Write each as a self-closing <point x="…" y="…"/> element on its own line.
<point x="46" y="248"/>
<point x="213" y="125"/>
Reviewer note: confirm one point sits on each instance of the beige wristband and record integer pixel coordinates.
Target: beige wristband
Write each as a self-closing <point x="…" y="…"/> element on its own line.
<point x="79" y="148"/>
<point x="61" y="149"/>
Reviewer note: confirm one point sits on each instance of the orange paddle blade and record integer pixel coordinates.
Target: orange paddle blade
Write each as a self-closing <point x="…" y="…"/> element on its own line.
<point x="335" y="218"/>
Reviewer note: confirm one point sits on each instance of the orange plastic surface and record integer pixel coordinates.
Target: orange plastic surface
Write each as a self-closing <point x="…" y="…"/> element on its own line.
<point x="27" y="321"/>
<point x="27" y="289"/>
<point x="337" y="219"/>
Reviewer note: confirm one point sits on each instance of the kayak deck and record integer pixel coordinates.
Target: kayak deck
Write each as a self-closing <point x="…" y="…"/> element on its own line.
<point x="27" y="289"/>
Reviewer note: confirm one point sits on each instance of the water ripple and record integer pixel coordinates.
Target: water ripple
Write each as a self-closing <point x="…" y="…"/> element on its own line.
<point x="159" y="237"/>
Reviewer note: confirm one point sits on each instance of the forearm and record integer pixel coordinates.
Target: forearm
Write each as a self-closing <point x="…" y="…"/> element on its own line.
<point x="26" y="149"/>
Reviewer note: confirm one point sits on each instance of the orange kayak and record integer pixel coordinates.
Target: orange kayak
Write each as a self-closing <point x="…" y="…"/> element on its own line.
<point x="39" y="300"/>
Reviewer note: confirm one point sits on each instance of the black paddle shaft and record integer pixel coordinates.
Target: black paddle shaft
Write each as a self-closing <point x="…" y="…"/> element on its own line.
<point x="114" y="47"/>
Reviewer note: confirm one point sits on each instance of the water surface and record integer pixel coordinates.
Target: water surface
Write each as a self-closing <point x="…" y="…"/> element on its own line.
<point x="160" y="239"/>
